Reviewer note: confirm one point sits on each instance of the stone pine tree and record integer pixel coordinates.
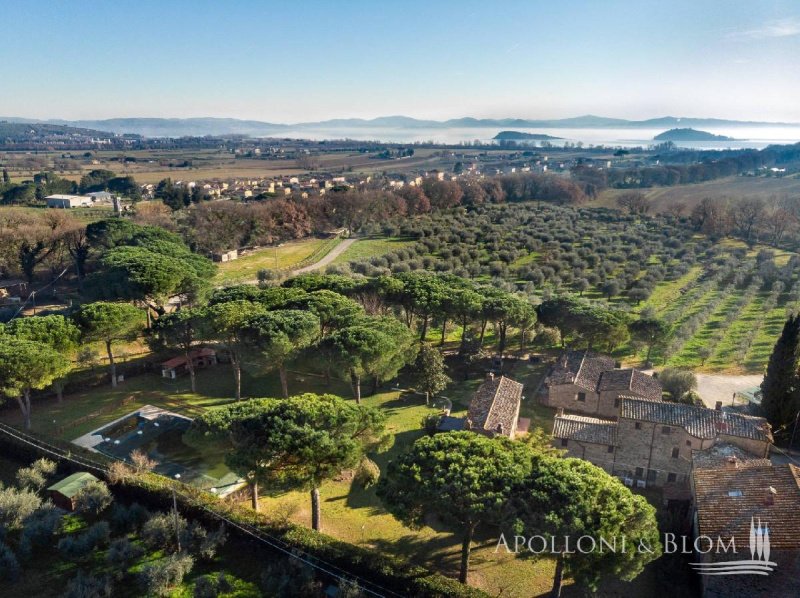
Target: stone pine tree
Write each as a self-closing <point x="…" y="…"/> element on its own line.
<point x="780" y="386"/>
<point x="571" y="498"/>
<point x="464" y="478"/>
<point x="26" y="366"/>
<point x="295" y="443"/>
<point x="109" y="323"/>
<point x="429" y="372"/>
<point x="55" y="331"/>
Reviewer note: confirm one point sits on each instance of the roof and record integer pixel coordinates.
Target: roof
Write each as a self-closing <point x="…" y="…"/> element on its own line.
<point x="71" y="485"/>
<point x="181" y="359"/>
<point x="700" y="422"/>
<point x="450" y="424"/>
<point x="496" y="403"/>
<point x="724" y="455"/>
<point x="585" y="429"/>
<point x="727" y="499"/>
<point x="582" y="368"/>
<point x="63" y="196"/>
<point x="631" y="380"/>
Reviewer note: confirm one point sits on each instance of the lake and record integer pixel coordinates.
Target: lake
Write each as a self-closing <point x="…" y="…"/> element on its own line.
<point x="746" y="137"/>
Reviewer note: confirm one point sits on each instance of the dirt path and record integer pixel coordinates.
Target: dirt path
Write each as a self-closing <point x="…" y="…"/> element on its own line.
<point x="719" y="387"/>
<point x="329" y="257"/>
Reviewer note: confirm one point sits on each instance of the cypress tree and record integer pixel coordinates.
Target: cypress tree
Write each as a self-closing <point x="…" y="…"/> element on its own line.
<point x="780" y="386"/>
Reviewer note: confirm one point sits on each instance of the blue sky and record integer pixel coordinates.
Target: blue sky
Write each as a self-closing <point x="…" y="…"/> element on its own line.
<point x="307" y="60"/>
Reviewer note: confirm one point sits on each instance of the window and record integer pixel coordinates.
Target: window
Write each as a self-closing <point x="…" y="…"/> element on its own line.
<point x="638" y="425"/>
<point x="675" y="453"/>
<point x="665" y="430"/>
<point x="616" y="402"/>
<point x="671" y="477"/>
<point x="639" y="472"/>
<point x="610" y="449"/>
<point x="564" y="442"/>
<point x="651" y="475"/>
<point x="582" y="397"/>
<point x="688" y="443"/>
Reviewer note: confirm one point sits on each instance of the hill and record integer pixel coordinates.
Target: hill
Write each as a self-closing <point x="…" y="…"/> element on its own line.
<point x="198" y="127"/>
<point x="17" y="132"/>
<point x="690" y="135"/>
<point x="521" y="136"/>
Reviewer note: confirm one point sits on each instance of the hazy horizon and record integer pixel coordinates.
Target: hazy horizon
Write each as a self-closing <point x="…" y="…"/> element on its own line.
<point x="286" y="62"/>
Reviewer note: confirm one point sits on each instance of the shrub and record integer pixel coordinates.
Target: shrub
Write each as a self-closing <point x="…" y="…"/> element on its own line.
<point x="78" y="547"/>
<point x="209" y="586"/>
<point x="9" y="565"/>
<point x="36" y="476"/>
<point x="93" y="498"/>
<point x="126" y="519"/>
<point x="367" y="473"/>
<point x="677" y="382"/>
<point x="159" y="578"/>
<point x="16" y="505"/>
<point x="40" y="527"/>
<point x="84" y="585"/>
<point x="159" y="531"/>
<point x="122" y="553"/>
<point x="430" y="423"/>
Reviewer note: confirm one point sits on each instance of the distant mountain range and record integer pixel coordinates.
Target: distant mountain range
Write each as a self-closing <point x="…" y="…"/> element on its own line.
<point x="178" y="127"/>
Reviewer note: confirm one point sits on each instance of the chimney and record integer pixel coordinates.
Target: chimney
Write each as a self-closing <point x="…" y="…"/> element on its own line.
<point x="489" y="376"/>
<point x="769" y="496"/>
<point x="732" y="462"/>
<point x="560" y="411"/>
<point x="718" y="406"/>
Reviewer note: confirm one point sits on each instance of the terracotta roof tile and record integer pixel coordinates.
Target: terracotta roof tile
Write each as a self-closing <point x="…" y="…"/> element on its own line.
<point x="496" y="403"/>
<point x="727" y="499"/>
<point x="697" y="421"/>
<point x="585" y="429"/>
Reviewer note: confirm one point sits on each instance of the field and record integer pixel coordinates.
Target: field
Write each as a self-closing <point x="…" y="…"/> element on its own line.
<point x="364" y="249"/>
<point x="283" y="257"/>
<point x="151" y="166"/>
<point x="731" y="188"/>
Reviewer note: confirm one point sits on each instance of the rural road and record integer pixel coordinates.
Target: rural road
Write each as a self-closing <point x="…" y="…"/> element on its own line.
<point x="334" y="253"/>
<point x="719" y="387"/>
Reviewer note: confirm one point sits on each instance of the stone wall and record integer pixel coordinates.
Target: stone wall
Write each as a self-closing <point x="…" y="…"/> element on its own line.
<point x="566" y="396"/>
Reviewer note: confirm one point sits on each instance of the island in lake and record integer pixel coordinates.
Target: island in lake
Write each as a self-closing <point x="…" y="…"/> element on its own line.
<point x="690" y="135"/>
<point x="520" y="136"/>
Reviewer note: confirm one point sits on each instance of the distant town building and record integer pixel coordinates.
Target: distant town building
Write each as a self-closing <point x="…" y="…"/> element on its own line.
<point x="67" y="201"/>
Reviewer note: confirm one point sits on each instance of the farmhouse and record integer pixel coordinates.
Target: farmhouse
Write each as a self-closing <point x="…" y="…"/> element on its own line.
<point x="67" y="201"/>
<point x="590" y="384"/>
<point x="654" y="443"/>
<point x="201" y="358"/>
<point x="494" y="410"/>
<point x="63" y="493"/>
<point x="759" y="507"/>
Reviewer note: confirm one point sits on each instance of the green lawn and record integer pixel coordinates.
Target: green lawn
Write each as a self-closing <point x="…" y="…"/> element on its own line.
<point x="286" y="256"/>
<point x="349" y="512"/>
<point x="366" y="248"/>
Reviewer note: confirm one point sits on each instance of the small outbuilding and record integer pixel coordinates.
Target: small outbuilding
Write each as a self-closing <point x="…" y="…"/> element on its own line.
<point x="201" y="358"/>
<point x="225" y="256"/>
<point x="63" y="493"/>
